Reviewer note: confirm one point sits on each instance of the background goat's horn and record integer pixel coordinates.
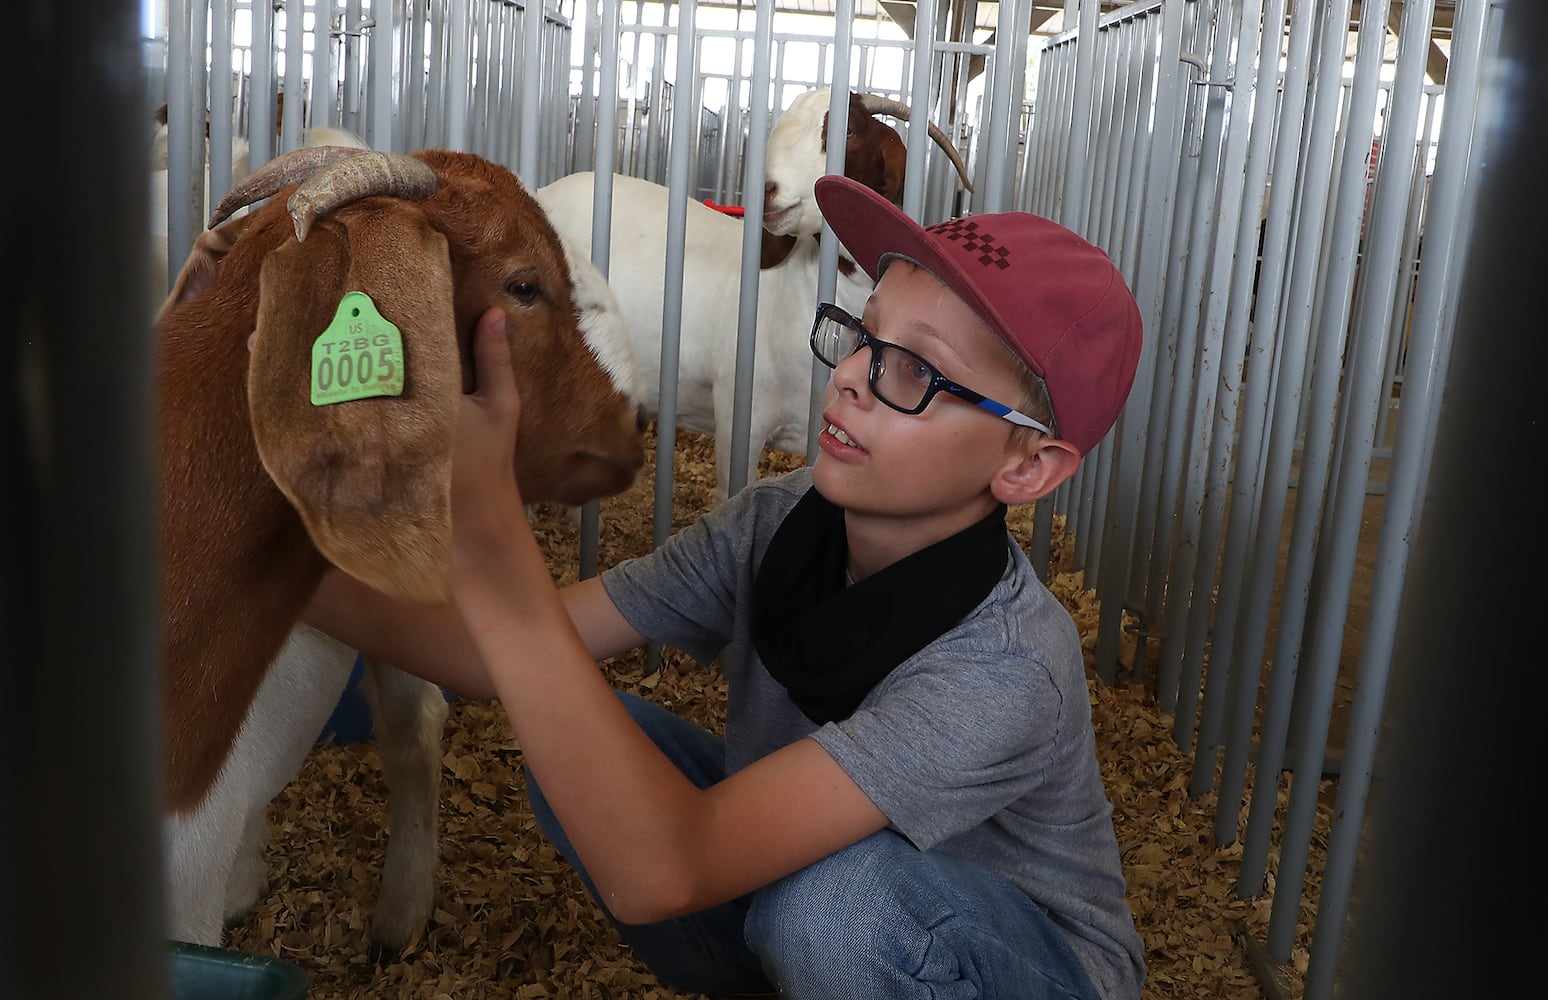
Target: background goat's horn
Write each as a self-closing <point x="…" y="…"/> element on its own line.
<point x="279" y="173"/>
<point x="875" y="104"/>
<point x="360" y="176"/>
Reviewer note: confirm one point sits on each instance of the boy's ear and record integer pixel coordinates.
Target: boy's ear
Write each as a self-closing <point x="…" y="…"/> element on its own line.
<point x="1034" y="471"/>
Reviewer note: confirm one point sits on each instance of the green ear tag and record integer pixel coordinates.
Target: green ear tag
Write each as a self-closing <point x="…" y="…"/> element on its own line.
<point x="358" y="356"/>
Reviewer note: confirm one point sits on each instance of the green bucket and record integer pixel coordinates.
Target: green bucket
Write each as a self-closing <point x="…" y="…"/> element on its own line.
<point x="200" y="972"/>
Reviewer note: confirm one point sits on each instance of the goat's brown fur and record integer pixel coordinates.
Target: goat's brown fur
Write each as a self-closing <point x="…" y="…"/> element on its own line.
<point x="874" y="153"/>
<point x="239" y="563"/>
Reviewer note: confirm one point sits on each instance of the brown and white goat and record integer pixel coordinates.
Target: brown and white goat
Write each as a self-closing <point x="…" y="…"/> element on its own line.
<point x="261" y="490"/>
<point x="787" y="283"/>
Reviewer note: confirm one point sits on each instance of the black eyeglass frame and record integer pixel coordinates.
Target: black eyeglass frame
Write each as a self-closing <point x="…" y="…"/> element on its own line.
<point x="938" y="383"/>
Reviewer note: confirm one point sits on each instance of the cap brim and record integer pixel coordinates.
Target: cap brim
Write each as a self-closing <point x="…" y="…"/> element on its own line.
<point x="873" y="230"/>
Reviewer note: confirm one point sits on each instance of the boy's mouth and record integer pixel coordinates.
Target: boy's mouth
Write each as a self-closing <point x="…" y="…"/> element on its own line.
<point x="842" y="436"/>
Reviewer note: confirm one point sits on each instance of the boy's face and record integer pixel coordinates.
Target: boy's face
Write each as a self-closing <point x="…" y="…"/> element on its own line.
<point x="937" y="464"/>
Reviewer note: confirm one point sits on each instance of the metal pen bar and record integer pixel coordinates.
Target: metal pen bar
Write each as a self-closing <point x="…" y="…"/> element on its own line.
<point x="1313" y="490"/>
<point x="1362" y="378"/>
<point x="434" y="112"/>
<point x="1403" y="307"/>
<point x="1227" y="291"/>
<point x="996" y="176"/>
<point x="325" y="90"/>
<point x="222" y="121"/>
<point x="925" y="19"/>
<point x="1293" y="362"/>
<point x="1119" y="559"/>
<point x="454" y="96"/>
<point x="1243" y="389"/>
<point x="680" y="181"/>
<point x="601" y="219"/>
<point x="531" y="91"/>
<point x="199" y="81"/>
<point x="1157" y="481"/>
<point x="350" y="41"/>
<point x="1090" y="540"/>
<point x="399" y="138"/>
<point x="827" y="260"/>
<point x="379" y="77"/>
<point x="1076" y="162"/>
<point x="293" y="114"/>
<point x="1145" y="269"/>
<point x="1084" y="483"/>
<point x="504" y="46"/>
<point x="1241" y="673"/>
<point x="1196" y="372"/>
<point x="744" y="461"/>
<point x="585" y="133"/>
<point x="485" y="66"/>
<point x="181" y="118"/>
<point x="261" y="95"/>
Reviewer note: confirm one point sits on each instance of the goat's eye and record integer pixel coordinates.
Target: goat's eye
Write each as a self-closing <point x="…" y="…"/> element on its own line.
<point x="522" y="289"/>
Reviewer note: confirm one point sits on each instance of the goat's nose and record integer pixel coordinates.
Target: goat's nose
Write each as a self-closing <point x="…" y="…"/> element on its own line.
<point x="770" y="190"/>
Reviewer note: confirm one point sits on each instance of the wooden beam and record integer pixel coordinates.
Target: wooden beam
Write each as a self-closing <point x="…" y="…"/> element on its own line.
<point x="1435" y="62"/>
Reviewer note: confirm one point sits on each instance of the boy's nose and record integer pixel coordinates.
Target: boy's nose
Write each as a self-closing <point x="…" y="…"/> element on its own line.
<point x="853" y="374"/>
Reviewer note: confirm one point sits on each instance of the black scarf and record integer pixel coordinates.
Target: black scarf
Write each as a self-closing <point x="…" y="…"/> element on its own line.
<point x="829" y="644"/>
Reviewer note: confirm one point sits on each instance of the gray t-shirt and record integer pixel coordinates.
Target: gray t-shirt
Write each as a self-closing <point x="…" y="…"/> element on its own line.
<point x="979" y="745"/>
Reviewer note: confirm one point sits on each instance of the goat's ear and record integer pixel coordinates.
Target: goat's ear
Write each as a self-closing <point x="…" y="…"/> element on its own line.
<point x="370" y="477"/>
<point x="204" y="261"/>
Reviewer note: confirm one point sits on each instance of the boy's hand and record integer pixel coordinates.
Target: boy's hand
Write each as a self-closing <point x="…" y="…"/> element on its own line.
<point x="484" y="493"/>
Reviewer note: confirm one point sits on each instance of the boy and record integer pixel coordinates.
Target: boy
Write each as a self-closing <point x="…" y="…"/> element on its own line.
<point x="907" y="802"/>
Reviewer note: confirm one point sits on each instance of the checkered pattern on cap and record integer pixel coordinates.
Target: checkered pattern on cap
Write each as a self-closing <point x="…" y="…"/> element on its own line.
<point x="974" y="239"/>
<point x="1057" y="300"/>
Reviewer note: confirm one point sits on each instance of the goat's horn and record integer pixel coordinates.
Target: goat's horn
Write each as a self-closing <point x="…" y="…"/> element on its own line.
<point x="279" y="173"/>
<point x="875" y="104"/>
<point x="360" y="176"/>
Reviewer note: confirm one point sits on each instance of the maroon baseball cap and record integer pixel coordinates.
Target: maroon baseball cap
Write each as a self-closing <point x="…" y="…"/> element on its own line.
<point x="1055" y="299"/>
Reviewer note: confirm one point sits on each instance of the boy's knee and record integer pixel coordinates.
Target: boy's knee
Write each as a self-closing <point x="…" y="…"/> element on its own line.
<point x="820" y="918"/>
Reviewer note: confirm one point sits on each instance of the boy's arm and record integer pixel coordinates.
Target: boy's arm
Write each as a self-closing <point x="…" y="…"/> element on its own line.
<point x="432" y="642"/>
<point x="654" y="844"/>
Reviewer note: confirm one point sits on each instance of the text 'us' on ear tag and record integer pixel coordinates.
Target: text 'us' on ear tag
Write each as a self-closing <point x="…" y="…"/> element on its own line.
<point x="358" y="356"/>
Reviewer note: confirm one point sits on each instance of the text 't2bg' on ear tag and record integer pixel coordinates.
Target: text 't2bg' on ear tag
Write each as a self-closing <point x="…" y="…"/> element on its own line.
<point x="358" y="356"/>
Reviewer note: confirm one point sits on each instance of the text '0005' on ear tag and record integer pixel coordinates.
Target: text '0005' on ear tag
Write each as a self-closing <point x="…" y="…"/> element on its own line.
<point x="358" y="356"/>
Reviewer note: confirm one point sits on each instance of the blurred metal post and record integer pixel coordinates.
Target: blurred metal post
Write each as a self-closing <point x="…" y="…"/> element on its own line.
<point x="81" y="753"/>
<point x="1474" y="686"/>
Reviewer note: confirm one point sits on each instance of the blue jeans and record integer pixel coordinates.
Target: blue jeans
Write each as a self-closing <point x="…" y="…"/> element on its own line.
<point x="878" y="919"/>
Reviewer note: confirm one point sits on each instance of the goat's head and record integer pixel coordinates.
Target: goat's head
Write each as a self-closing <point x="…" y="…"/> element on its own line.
<point x="434" y="240"/>
<point x="874" y="155"/>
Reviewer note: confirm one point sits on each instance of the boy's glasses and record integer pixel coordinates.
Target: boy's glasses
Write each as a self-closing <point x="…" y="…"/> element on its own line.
<point x="899" y="377"/>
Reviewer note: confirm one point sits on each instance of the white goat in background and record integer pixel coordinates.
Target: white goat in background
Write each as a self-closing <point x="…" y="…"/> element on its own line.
<point x="787" y="286"/>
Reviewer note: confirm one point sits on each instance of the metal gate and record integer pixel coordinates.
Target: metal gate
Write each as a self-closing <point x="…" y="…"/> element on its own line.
<point x="1289" y="219"/>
